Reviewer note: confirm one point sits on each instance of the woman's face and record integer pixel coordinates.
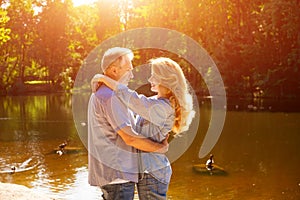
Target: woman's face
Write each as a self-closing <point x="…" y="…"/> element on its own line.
<point x="157" y="87"/>
<point x="153" y="80"/>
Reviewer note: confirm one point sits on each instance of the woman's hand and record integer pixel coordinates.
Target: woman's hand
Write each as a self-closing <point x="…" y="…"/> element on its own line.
<point x="99" y="79"/>
<point x="96" y="82"/>
<point x="165" y="146"/>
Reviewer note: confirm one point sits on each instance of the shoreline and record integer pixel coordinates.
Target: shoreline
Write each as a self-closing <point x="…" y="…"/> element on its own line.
<point x="238" y="103"/>
<point x="10" y="191"/>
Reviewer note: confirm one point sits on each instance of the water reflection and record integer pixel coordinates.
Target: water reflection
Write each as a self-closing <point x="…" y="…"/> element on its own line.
<point x="31" y="127"/>
<point x="259" y="151"/>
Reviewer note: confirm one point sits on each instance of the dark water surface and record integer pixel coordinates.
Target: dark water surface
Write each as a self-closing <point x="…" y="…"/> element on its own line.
<point x="259" y="148"/>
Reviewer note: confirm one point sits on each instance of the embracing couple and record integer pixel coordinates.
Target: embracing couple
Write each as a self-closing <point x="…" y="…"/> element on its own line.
<point x="128" y="132"/>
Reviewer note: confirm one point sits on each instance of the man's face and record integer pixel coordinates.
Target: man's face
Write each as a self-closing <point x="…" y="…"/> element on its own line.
<point x="125" y="71"/>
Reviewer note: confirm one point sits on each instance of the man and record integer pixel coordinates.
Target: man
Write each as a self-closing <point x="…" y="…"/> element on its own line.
<point x="113" y="160"/>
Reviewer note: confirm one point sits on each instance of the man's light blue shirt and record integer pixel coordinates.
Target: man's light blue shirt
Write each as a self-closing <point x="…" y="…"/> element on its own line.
<point x="110" y="159"/>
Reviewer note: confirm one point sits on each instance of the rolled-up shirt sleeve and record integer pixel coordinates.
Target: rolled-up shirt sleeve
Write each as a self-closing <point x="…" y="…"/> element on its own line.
<point x="154" y="110"/>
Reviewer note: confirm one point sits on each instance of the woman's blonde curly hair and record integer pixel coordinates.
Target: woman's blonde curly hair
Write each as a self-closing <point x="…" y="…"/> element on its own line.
<point x="170" y="75"/>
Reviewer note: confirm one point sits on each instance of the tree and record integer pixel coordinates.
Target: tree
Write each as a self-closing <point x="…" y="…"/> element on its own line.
<point x="255" y="44"/>
<point x="52" y="42"/>
<point x="4" y="38"/>
<point x="21" y="24"/>
<point x="108" y="19"/>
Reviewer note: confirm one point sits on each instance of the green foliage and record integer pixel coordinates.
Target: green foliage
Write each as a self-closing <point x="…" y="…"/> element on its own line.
<point x="35" y="71"/>
<point x="66" y="80"/>
<point x="4" y="32"/>
<point x="255" y="44"/>
<point x="4" y="37"/>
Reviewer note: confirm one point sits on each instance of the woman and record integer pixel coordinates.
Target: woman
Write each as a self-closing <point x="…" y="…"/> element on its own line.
<point x="171" y="110"/>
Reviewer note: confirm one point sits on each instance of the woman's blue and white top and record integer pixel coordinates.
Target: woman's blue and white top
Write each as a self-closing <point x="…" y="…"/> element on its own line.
<point x="154" y="120"/>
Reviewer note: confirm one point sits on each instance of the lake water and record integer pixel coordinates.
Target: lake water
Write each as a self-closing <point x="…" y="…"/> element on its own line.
<point x="258" y="148"/>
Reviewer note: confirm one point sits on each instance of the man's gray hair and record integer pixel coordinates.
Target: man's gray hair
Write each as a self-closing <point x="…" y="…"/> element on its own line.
<point x="113" y="54"/>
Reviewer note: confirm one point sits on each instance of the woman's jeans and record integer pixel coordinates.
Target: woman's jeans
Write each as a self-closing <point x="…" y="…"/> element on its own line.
<point x="123" y="191"/>
<point x="150" y="188"/>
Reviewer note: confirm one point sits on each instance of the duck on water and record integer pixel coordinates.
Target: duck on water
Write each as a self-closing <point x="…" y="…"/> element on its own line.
<point x="209" y="167"/>
<point x="28" y="164"/>
<point x="64" y="148"/>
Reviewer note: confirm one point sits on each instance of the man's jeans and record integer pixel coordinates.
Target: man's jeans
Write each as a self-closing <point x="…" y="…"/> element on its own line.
<point x="150" y="188"/>
<point x="123" y="191"/>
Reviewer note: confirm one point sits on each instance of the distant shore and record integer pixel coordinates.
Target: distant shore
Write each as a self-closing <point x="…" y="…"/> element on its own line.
<point x="10" y="191"/>
<point x="235" y="103"/>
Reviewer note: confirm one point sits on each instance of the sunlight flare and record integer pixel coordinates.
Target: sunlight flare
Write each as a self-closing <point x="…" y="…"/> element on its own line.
<point x="83" y="2"/>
